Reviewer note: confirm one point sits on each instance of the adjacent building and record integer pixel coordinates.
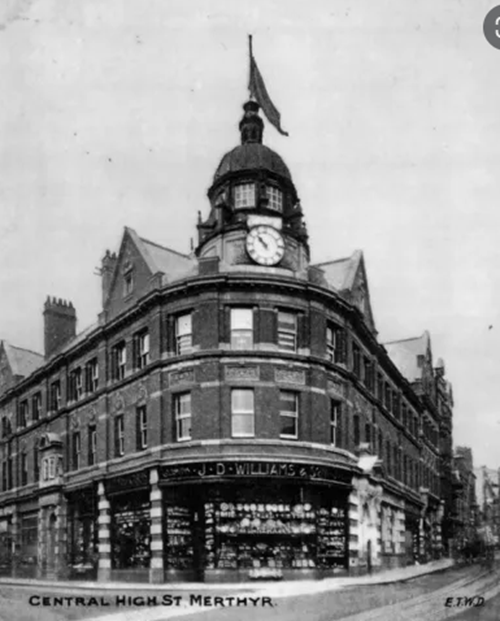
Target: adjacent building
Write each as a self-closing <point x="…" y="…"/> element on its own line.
<point x="466" y="505"/>
<point x="230" y="415"/>
<point x="488" y="499"/>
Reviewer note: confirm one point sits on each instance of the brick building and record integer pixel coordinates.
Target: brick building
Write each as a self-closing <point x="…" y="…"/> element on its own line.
<point x="230" y="415"/>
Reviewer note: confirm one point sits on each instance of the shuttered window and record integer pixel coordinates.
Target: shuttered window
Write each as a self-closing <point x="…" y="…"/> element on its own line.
<point x="242" y="413"/>
<point x="242" y="328"/>
<point x="289" y="414"/>
<point x="287" y="331"/>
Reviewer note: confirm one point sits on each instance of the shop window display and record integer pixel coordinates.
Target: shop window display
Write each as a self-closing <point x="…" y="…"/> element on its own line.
<point x="130" y="531"/>
<point x="82" y="524"/>
<point x="179" y="537"/>
<point x="252" y="535"/>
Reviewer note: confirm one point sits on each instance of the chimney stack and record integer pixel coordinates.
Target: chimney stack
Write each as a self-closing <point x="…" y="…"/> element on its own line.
<point x="59" y="324"/>
<point x="108" y="265"/>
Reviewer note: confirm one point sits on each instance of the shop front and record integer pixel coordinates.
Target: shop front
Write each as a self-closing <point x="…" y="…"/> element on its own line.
<point x="6" y="546"/>
<point x="231" y="521"/>
<point x="82" y="533"/>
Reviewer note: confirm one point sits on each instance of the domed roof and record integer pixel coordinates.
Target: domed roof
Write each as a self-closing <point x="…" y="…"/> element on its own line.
<point x="252" y="155"/>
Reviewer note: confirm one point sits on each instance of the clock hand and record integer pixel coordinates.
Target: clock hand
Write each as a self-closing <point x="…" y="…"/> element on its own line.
<point x="262" y="242"/>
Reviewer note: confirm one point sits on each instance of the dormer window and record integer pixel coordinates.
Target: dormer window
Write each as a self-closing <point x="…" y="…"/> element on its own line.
<point x="275" y="198"/>
<point x="128" y="282"/>
<point x="244" y="196"/>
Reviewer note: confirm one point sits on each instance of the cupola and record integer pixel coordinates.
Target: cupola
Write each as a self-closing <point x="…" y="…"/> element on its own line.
<point x="252" y="179"/>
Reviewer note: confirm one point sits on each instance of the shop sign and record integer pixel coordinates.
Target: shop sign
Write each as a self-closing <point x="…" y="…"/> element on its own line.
<point x="246" y="469"/>
<point x="135" y="480"/>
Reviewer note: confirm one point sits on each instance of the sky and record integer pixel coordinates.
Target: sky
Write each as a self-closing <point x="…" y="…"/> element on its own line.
<point x="117" y="113"/>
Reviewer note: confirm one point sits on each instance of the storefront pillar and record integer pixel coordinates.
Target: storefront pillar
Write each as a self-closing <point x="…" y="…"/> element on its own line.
<point x="103" y="534"/>
<point x="61" y="538"/>
<point x="353" y="517"/>
<point x="156" y="569"/>
<point x="16" y="541"/>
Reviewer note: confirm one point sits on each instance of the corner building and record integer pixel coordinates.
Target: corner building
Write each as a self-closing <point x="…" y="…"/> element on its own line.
<point x="230" y="416"/>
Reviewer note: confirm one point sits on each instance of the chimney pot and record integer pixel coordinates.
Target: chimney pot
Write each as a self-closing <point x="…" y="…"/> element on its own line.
<point x="59" y="324"/>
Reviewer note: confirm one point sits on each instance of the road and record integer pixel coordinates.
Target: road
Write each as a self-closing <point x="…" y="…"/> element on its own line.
<point x="431" y="597"/>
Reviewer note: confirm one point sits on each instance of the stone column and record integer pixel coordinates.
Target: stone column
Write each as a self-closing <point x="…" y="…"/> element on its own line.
<point x="156" y="573"/>
<point x="16" y="541"/>
<point x="61" y="550"/>
<point x="103" y="535"/>
<point x="353" y="517"/>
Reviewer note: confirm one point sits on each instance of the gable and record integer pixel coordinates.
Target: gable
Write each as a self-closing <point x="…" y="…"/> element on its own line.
<point x="6" y="376"/>
<point x="130" y="264"/>
<point x="360" y="295"/>
<point x="348" y="277"/>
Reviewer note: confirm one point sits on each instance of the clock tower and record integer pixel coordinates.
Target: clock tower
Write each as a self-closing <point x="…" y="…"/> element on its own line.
<point x="255" y="215"/>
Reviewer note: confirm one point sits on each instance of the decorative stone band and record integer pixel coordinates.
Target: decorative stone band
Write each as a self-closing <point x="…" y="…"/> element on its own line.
<point x="156" y="539"/>
<point x="103" y="521"/>
<point x="290" y="376"/>
<point x="353" y="516"/>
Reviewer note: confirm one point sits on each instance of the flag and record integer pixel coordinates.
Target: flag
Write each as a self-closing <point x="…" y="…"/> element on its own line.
<point x="258" y="90"/>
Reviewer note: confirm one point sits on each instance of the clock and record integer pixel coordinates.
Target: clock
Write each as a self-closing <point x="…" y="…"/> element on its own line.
<point x="265" y="245"/>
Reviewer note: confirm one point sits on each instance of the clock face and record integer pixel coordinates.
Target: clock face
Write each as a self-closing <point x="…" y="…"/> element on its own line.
<point x="265" y="245"/>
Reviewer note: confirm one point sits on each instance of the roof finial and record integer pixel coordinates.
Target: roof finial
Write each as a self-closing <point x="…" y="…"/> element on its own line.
<point x="251" y="125"/>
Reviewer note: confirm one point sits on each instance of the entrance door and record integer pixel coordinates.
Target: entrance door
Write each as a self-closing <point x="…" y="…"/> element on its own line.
<point x="51" y="544"/>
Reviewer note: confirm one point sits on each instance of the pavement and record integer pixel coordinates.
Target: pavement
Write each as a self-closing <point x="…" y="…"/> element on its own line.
<point x="274" y="588"/>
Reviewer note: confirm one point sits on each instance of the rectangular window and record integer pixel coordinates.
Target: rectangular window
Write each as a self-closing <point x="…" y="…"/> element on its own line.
<point x="241" y="328"/>
<point x="335" y="423"/>
<point x="183" y="334"/>
<point x="289" y="414"/>
<point x="356" y="360"/>
<point x="76" y="444"/>
<point x="356" y="431"/>
<point x="182" y="411"/>
<point x="36" y="464"/>
<point x="380" y="445"/>
<point x="52" y="467"/>
<point x="128" y="283"/>
<point x="244" y="196"/>
<point x="24" y="469"/>
<point x="368" y="375"/>
<point x="23" y="414"/>
<point x="92" y="439"/>
<point x="387" y="397"/>
<point x="142" y="428"/>
<point x="380" y="387"/>
<point x="55" y="396"/>
<point x="119" y="436"/>
<point x="242" y="413"/>
<point x="119" y="360"/>
<point x="396" y="405"/>
<point x="75" y="385"/>
<point x="275" y="198"/>
<point x="4" y="476"/>
<point x="389" y="456"/>
<point x="36" y="406"/>
<point x="287" y="331"/>
<point x="335" y="344"/>
<point x="91" y="376"/>
<point x="368" y="433"/>
<point x="141" y="349"/>
<point x="404" y="415"/>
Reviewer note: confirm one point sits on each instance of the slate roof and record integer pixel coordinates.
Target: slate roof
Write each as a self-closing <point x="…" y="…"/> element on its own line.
<point x="161" y="259"/>
<point x="170" y="262"/>
<point x="405" y="354"/>
<point x="340" y="273"/>
<point x="249" y="156"/>
<point x="23" y="362"/>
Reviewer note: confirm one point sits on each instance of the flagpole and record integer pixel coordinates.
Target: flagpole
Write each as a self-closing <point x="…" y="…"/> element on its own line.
<point x="250" y="56"/>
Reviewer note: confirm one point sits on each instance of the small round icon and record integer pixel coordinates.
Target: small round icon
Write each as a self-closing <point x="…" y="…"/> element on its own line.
<point x="491" y="27"/>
